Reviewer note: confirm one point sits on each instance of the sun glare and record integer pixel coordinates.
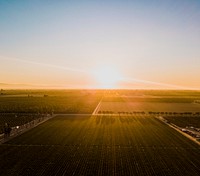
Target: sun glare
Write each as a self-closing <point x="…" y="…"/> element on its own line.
<point x="107" y="77"/>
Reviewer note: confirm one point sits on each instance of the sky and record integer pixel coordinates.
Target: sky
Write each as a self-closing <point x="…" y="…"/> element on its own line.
<point x="76" y="44"/>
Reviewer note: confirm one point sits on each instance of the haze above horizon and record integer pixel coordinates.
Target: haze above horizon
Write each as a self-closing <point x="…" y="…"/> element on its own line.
<point x="100" y="44"/>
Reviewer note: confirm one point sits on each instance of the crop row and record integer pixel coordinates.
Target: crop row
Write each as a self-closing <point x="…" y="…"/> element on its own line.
<point x="57" y="104"/>
<point x="170" y="114"/>
<point x="151" y="113"/>
<point x="98" y="145"/>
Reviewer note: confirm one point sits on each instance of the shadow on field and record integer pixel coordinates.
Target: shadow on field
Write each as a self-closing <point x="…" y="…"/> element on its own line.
<point x="125" y="119"/>
<point x="105" y="120"/>
<point x="108" y="120"/>
<point x="73" y="117"/>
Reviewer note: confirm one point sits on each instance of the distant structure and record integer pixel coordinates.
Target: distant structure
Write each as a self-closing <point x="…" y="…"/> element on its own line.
<point x="196" y="101"/>
<point x="1" y="92"/>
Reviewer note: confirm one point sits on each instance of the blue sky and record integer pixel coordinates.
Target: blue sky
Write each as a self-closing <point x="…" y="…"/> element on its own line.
<point x="157" y="41"/>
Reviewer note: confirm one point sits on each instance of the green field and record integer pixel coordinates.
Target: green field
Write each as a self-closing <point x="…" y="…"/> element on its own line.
<point x="122" y="137"/>
<point x="184" y="121"/>
<point x="149" y="107"/>
<point x="46" y="101"/>
<point x="18" y="107"/>
<point x="160" y="96"/>
<point x="101" y="145"/>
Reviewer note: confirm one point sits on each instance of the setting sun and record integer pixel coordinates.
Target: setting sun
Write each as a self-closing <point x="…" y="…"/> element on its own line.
<point x="107" y="77"/>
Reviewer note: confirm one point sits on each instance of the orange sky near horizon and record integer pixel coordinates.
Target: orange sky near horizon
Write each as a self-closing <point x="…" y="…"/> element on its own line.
<point x="111" y="44"/>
